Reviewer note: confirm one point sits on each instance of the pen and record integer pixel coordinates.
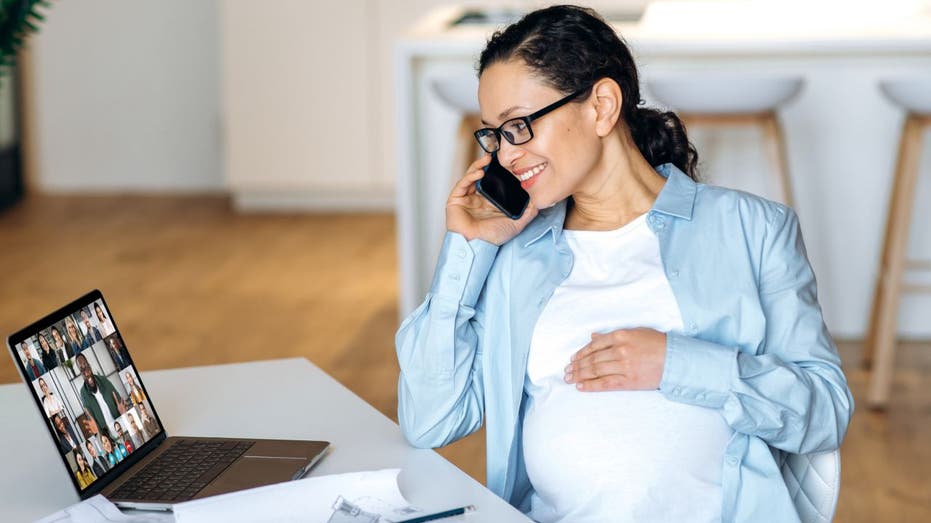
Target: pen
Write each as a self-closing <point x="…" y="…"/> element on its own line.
<point x="441" y="515"/>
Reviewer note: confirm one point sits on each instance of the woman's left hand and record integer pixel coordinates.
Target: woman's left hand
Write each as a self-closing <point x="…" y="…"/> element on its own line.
<point x="626" y="359"/>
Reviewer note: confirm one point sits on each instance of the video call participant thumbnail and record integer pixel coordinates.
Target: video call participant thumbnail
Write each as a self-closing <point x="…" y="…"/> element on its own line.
<point x="34" y="367"/>
<point x="99" y="396"/>
<point x="67" y="440"/>
<point x="64" y="351"/>
<point x="91" y="332"/>
<point x="98" y="463"/>
<point x="49" y="358"/>
<point x="84" y="473"/>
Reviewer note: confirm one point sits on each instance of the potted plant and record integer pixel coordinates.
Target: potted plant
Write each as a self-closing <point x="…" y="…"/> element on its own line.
<point x="18" y="18"/>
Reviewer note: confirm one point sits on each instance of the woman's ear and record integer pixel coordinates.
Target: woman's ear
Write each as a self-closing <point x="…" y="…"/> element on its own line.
<point x="607" y="97"/>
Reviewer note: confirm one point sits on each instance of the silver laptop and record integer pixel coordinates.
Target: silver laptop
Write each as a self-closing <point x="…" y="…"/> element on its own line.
<point x="106" y="428"/>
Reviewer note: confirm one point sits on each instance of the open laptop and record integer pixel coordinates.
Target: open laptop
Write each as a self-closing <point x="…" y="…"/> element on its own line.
<point x="106" y="428"/>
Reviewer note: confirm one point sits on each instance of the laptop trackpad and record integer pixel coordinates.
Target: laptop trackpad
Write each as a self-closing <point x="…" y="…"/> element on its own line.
<point x="250" y="472"/>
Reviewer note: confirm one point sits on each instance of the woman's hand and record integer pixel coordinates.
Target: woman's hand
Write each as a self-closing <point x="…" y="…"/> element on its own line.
<point x="473" y="216"/>
<point x="626" y="359"/>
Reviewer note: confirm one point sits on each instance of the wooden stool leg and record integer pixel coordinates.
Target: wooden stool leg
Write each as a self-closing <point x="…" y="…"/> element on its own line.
<point x="882" y="332"/>
<point x="776" y="150"/>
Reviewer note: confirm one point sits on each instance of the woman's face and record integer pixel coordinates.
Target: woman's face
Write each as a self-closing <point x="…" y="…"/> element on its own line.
<point x="44" y="344"/>
<point x="72" y="330"/>
<point x="99" y="312"/>
<point x="564" y="148"/>
<point x="57" y="336"/>
<point x="107" y="446"/>
<point x="81" y="463"/>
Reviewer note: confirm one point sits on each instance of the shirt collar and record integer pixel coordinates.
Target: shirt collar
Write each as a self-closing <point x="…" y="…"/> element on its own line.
<point x="548" y="221"/>
<point x="676" y="198"/>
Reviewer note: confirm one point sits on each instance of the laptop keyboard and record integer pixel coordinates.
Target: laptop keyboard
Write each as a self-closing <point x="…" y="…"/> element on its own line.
<point x="182" y="471"/>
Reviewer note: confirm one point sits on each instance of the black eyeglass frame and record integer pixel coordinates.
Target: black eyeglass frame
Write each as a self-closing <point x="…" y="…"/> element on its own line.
<point x="526" y="119"/>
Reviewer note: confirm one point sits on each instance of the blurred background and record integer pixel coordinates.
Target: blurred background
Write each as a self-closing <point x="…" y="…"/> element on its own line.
<point x="255" y="180"/>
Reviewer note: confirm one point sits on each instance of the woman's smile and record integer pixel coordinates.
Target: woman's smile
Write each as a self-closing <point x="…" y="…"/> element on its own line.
<point x="528" y="177"/>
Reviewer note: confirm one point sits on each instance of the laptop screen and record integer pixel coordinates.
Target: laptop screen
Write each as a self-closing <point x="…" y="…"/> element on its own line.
<point x="84" y="380"/>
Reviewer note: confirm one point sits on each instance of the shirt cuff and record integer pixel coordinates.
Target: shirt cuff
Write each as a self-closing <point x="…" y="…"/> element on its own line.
<point x="697" y="372"/>
<point x="462" y="268"/>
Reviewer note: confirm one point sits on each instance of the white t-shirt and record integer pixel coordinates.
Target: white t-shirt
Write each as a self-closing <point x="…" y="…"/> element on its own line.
<point x="106" y="328"/>
<point x="621" y="455"/>
<point x="52" y="404"/>
<point x="104" y="408"/>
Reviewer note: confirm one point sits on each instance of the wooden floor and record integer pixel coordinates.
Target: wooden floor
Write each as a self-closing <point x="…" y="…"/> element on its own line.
<point x="193" y="283"/>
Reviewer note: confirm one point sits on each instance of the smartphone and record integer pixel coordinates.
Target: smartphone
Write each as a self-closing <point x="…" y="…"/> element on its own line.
<point x="503" y="189"/>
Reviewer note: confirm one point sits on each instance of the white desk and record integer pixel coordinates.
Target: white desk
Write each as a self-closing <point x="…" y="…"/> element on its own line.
<point x="270" y="399"/>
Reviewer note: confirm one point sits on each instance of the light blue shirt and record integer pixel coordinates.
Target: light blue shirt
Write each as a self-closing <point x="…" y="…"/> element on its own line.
<point x="754" y="344"/>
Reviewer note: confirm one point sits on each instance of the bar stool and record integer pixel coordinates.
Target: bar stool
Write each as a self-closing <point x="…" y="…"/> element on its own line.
<point x="913" y="95"/>
<point x="460" y="92"/>
<point x="726" y="99"/>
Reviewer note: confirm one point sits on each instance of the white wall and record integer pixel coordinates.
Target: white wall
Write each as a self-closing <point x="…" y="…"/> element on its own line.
<point x="298" y="92"/>
<point x="125" y="96"/>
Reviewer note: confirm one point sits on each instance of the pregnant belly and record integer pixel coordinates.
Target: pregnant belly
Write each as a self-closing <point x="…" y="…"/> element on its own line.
<point x="631" y="452"/>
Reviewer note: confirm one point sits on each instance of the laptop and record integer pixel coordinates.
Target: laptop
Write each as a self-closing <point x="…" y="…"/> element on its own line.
<point x="106" y="427"/>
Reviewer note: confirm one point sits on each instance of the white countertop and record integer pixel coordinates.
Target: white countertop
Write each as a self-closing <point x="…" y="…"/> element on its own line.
<point x="727" y="27"/>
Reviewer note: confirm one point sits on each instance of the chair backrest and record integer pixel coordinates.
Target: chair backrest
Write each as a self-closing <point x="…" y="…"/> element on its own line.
<point x="814" y="484"/>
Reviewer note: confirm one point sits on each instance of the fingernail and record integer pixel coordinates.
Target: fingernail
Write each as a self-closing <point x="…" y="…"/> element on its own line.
<point x="568" y="368"/>
<point x="568" y="377"/>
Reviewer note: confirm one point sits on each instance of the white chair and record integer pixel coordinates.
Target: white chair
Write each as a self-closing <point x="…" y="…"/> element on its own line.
<point x="913" y="95"/>
<point x="728" y="99"/>
<point x="460" y="92"/>
<point x="814" y="484"/>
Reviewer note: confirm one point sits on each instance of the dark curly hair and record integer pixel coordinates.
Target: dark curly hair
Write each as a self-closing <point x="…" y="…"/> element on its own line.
<point x="571" y="48"/>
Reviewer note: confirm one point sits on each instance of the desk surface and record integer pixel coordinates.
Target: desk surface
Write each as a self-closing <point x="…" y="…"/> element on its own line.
<point x="290" y="399"/>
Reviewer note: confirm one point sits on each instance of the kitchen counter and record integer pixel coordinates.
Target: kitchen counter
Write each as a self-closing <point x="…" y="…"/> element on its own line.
<point x="736" y="28"/>
<point x="841" y="133"/>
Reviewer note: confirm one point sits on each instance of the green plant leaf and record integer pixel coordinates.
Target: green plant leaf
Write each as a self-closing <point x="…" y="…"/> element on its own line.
<point x="18" y="19"/>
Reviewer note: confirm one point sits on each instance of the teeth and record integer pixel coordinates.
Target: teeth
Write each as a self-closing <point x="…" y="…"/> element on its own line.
<point x="531" y="173"/>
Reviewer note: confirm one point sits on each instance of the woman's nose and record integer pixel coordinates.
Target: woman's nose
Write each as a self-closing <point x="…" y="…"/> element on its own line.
<point x="508" y="154"/>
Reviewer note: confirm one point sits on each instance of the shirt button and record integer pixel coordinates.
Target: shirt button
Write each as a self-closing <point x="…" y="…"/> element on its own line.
<point x="675" y="274"/>
<point x="461" y="253"/>
<point x="732" y="461"/>
<point x="694" y="328"/>
<point x="454" y="277"/>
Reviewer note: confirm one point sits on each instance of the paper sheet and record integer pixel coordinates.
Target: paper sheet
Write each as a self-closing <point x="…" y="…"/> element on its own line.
<point x="98" y="509"/>
<point x="358" y="497"/>
<point x="324" y="499"/>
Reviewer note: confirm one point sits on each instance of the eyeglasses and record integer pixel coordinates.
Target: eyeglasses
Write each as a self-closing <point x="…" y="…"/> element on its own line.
<point x="517" y="131"/>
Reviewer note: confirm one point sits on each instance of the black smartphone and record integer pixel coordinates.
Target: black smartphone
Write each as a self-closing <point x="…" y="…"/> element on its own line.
<point x="503" y="189"/>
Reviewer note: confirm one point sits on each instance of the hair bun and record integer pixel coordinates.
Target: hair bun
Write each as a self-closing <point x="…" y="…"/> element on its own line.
<point x="661" y="138"/>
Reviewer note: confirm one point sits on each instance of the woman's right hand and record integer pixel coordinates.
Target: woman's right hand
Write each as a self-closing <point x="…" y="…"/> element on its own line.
<point x="473" y="216"/>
